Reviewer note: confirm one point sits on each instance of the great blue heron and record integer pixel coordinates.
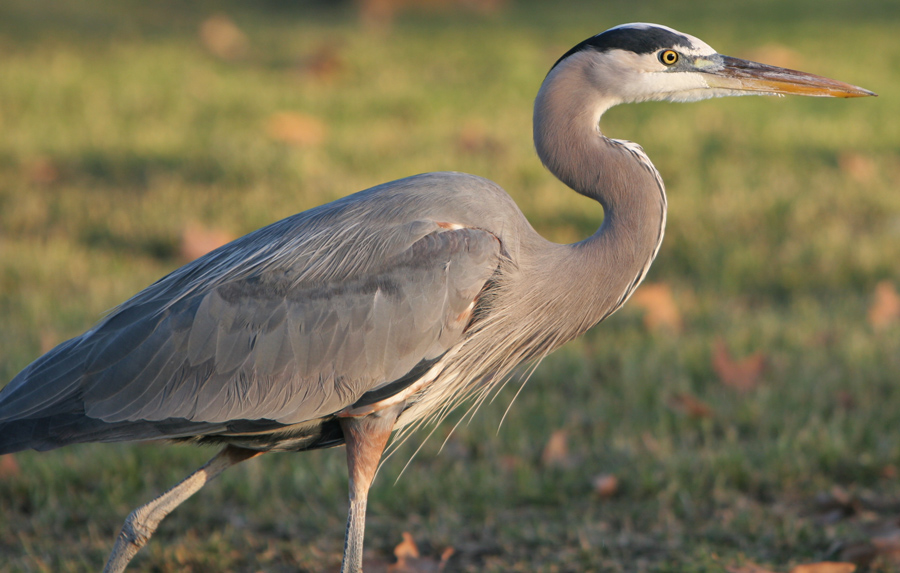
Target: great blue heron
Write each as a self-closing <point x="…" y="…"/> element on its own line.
<point x="387" y="308"/>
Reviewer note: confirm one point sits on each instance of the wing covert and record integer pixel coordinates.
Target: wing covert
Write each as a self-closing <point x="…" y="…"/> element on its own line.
<point x="264" y="348"/>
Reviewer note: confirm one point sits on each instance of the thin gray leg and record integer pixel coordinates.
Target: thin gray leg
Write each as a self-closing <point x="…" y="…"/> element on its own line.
<point x="366" y="437"/>
<point x="143" y="521"/>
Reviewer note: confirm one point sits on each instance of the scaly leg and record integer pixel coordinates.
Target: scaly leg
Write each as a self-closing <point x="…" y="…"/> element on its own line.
<point x="143" y="521"/>
<point x="366" y="437"/>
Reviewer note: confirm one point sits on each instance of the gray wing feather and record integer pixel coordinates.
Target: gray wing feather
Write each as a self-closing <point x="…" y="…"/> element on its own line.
<point x="262" y="347"/>
<point x="253" y="350"/>
<point x="289" y="323"/>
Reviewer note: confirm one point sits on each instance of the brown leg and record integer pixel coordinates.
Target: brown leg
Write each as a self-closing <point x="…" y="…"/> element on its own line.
<point x="143" y="521"/>
<point x="366" y="437"/>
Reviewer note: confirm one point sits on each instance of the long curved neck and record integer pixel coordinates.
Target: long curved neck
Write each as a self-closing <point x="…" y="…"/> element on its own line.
<point x="613" y="261"/>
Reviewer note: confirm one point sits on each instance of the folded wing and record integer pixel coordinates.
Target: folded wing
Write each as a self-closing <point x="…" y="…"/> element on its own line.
<point x="290" y="338"/>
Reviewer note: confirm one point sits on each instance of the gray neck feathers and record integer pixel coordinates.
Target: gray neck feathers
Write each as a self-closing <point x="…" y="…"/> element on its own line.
<point x="615" y="173"/>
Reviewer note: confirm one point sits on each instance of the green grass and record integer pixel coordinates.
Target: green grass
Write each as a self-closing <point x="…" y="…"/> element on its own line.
<point x="773" y="245"/>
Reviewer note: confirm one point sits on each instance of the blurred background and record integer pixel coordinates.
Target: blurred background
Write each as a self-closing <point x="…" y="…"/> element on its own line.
<point x="743" y="408"/>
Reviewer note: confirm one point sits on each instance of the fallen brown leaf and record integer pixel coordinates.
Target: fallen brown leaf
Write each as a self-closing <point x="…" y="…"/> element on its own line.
<point x="42" y="170"/>
<point x="690" y="405"/>
<point x="296" y="129"/>
<point x="885" y="308"/>
<point x="407" y="548"/>
<point x="223" y="38"/>
<point x="410" y="561"/>
<point x="324" y="63"/>
<point x="196" y="241"/>
<point x="742" y="375"/>
<point x="660" y="310"/>
<point x="606" y="485"/>
<point x="857" y="166"/>
<point x="556" y="451"/>
<point x="825" y="567"/>
<point x="9" y="467"/>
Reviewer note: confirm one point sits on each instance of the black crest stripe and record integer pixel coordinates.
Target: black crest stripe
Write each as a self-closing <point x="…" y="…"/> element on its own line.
<point x="640" y="40"/>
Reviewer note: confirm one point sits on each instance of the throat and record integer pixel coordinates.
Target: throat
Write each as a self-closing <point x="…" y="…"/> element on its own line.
<point x="610" y="264"/>
<point x="617" y="257"/>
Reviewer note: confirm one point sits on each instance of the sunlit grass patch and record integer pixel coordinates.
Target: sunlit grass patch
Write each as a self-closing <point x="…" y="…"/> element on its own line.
<point x="120" y="131"/>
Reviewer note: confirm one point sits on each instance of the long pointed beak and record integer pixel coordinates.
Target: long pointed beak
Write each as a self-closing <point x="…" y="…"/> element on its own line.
<point x="744" y="75"/>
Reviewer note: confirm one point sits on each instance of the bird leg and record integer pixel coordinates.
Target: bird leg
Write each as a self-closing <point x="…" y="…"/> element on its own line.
<point x="143" y="521"/>
<point x="366" y="437"/>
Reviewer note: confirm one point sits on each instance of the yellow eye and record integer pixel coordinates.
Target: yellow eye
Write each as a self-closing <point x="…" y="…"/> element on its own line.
<point x="668" y="57"/>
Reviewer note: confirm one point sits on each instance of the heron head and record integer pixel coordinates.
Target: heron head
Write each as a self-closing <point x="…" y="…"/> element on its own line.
<point x="641" y="62"/>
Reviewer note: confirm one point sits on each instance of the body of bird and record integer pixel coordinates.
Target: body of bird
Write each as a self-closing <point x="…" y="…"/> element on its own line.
<point x="387" y="308"/>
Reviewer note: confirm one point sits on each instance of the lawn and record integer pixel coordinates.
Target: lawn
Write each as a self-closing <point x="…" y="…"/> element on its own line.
<point x="744" y="409"/>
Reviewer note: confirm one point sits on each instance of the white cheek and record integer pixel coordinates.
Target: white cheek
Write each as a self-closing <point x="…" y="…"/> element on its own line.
<point x="679" y="86"/>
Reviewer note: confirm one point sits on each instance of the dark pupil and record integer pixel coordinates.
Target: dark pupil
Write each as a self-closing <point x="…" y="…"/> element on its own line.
<point x="669" y="57"/>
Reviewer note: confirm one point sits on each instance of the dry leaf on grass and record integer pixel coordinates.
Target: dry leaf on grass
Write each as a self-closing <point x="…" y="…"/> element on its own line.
<point x="296" y="129"/>
<point x="196" y="241"/>
<point x="42" y="171"/>
<point x="660" y="310"/>
<point x="556" y="451"/>
<point x="9" y="467"/>
<point x="885" y="308"/>
<point x="407" y="548"/>
<point x="859" y="167"/>
<point x="410" y="561"/>
<point x="820" y="567"/>
<point x="606" y="485"/>
<point x="223" y="38"/>
<point x="825" y="567"/>
<point x="742" y="375"/>
<point x="325" y="63"/>
<point x="690" y="405"/>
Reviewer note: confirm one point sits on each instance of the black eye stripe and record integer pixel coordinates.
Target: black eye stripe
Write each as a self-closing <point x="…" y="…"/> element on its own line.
<point x="639" y="39"/>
